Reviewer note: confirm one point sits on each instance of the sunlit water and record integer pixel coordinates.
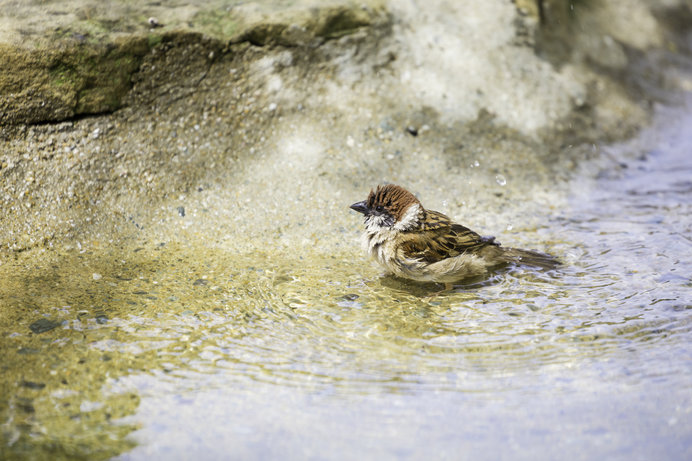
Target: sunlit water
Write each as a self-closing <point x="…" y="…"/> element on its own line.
<point x="180" y="351"/>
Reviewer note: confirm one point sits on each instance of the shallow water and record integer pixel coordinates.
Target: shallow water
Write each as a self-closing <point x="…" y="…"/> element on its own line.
<point x="186" y="347"/>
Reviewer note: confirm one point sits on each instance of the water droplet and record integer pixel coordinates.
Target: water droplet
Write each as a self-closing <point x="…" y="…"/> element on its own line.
<point x="501" y="180"/>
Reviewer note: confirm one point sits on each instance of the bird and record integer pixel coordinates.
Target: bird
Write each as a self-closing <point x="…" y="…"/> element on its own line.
<point x="423" y="245"/>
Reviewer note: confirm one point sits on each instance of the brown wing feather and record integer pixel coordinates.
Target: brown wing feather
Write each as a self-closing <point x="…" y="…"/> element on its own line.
<point x="435" y="220"/>
<point x="443" y="239"/>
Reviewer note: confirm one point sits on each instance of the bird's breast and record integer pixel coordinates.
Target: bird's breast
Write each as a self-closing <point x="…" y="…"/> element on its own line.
<point x="385" y="248"/>
<point x="380" y="244"/>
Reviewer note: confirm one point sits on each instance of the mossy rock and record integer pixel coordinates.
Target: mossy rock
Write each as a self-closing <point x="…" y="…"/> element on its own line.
<point x="71" y="79"/>
<point x="87" y="67"/>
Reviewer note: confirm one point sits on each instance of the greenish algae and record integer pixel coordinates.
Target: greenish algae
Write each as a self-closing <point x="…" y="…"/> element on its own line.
<point x="154" y="39"/>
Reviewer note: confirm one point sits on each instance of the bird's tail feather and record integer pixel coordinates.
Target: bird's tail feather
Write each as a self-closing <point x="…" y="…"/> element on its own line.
<point x="530" y="258"/>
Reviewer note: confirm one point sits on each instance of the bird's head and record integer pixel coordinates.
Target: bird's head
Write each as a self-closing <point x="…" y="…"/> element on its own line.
<point x="390" y="207"/>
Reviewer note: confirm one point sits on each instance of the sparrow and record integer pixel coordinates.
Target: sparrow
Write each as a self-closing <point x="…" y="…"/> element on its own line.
<point x="426" y="246"/>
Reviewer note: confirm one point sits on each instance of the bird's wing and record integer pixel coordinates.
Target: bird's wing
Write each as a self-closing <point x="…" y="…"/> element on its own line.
<point x="440" y="238"/>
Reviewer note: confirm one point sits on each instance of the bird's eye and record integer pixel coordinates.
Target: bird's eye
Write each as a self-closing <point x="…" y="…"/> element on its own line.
<point x="379" y="208"/>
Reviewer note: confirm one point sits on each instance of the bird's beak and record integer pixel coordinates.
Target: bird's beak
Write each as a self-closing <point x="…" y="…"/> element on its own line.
<point x="360" y="207"/>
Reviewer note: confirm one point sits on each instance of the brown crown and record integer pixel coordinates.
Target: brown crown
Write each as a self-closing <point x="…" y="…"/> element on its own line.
<point x="395" y="199"/>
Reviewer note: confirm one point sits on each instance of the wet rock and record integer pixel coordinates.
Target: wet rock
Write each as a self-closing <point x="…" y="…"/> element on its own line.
<point x="33" y="385"/>
<point x="349" y="297"/>
<point x="28" y="351"/>
<point x="43" y="325"/>
<point x="101" y="319"/>
<point x="26" y="405"/>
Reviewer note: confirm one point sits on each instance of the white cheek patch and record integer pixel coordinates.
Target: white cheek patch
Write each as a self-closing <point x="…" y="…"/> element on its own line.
<point x="409" y="219"/>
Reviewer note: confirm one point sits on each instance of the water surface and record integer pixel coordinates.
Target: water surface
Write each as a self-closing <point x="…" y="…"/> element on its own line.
<point x="181" y="347"/>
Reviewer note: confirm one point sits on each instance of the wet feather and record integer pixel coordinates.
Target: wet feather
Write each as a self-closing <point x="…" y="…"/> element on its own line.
<point x="426" y="245"/>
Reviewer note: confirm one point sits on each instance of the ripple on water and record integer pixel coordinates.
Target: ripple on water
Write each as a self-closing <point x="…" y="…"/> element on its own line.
<point x="184" y="318"/>
<point x="292" y="322"/>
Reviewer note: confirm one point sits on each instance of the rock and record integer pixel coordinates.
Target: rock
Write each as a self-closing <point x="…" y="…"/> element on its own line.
<point x="68" y="79"/>
<point x="43" y="325"/>
<point x="33" y="385"/>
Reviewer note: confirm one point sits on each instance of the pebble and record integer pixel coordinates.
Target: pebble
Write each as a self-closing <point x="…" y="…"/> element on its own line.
<point x="101" y="319"/>
<point x="154" y="23"/>
<point x="43" y="325"/>
<point x="33" y="385"/>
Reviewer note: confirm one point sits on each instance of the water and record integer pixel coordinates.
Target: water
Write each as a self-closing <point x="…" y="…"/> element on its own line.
<point x="185" y="348"/>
